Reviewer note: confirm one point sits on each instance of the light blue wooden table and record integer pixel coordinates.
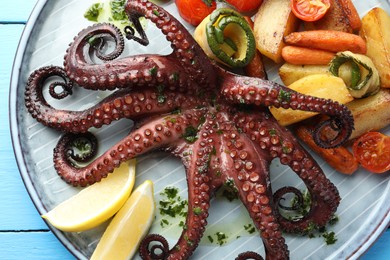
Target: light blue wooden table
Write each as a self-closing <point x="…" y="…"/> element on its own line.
<point x="23" y="234"/>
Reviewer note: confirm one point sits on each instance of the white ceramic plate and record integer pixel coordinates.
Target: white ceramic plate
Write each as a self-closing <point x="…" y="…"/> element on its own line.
<point x="363" y="212"/>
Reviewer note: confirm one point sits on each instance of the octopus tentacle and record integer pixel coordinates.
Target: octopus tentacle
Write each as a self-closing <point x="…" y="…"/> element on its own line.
<point x="251" y="178"/>
<point x="278" y="196"/>
<point x="199" y="192"/>
<point x="185" y="49"/>
<point x="249" y="255"/>
<point x="83" y="147"/>
<point x="157" y="251"/>
<point x="279" y="142"/>
<point x="136" y="71"/>
<point x="155" y="134"/>
<point x="255" y="91"/>
<point x="120" y="104"/>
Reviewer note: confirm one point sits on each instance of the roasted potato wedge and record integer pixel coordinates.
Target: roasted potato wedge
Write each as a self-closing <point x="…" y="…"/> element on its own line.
<point x="334" y="19"/>
<point x="370" y="113"/>
<point x="273" y="21"/>
<point x="376" y="31"/>
<point x="289" y="73"/>
<point x="320" y="85"/>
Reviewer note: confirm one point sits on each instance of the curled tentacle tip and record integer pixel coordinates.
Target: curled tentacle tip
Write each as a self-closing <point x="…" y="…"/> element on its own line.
<point x="81" y="147"/>
<point x="333" y="132"/>
<point x="147" y="250"/>
<point x="66" y="89"/>
<point x="249" y="255"/>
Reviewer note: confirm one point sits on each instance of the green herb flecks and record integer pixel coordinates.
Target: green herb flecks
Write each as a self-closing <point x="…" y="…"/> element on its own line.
<point x="229" y="190"/>
<point x="190" y="134"/>
<point x="313" y="230"/>
<point x="197" y="210"/>
<point x="161" y="98"/>
<point x="118" y="10"/>
<point x="93" y="12"/>
<point x="272" y="132"/>
<point x="221" y="238"/>
<point x="330" y="237"/>
<point x="284" y="96"/>
<point x="172" y="205"/>
<point x="250" y="228"/>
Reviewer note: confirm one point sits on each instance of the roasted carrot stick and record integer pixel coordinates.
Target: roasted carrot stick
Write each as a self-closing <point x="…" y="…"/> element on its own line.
<point x="351" y="14"/>
<point x="328" y="40"/>
<point x="306" y="56"/>
<point x="255" y="68"/>
<point x="339" y="158"/>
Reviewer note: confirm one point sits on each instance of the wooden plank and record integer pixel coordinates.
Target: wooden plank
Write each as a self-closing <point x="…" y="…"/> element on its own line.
<point x="17" y="210"/>
<point x="16" y="11"/>
<point x="32" y="246"/>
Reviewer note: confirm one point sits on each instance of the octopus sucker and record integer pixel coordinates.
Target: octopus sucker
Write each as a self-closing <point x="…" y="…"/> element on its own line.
<point x="217" y="122"/>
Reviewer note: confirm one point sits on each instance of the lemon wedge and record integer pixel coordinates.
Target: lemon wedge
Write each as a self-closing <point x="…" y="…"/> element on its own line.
<point x="127" y="228"/>
<point x="96" y="203"/>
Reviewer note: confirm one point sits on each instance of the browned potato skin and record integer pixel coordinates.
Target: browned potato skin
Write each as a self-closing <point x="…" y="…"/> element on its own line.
<point x="376" y="31"/>
<point x="272" y="22"/>
<point x="334" y="19"/>
<point x="290" y="73"/>
<point x="370" y="113"/>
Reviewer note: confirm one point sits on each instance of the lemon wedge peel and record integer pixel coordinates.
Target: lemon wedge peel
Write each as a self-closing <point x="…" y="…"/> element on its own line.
<point x="96" y="203"/>
<point x="128" y="227"/>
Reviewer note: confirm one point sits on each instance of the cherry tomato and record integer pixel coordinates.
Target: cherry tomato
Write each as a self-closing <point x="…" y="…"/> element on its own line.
<point x="372" y="150"/>
<point x="245" y="5"/>
<point x="194" y="11"/>
<point x="310" y="10"/>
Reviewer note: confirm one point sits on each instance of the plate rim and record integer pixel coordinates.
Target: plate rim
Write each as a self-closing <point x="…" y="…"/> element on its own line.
<point x="14" y="126"/>
<point x="21" y="162"/>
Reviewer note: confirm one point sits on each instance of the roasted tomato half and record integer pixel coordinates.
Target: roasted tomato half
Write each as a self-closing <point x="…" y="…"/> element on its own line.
<point x="372" y="150"/>
<point x="194" y="11"/>
<point x="310" y="10"/>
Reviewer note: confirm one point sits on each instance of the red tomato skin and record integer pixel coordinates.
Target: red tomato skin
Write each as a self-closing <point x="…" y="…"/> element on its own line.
<point x="308" y="17"/>
<point x="372" y="150"/>
<point x="194" y="11"/>
<point x="245" y="5"/>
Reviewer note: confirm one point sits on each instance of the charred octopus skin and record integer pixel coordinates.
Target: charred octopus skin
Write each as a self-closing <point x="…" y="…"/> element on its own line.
<point x="215" y="121"/>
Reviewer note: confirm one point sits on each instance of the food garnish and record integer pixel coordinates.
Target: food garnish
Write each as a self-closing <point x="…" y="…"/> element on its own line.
<point x="96" y="203"/>
<point x="127" y="228"/>
<point x="110" y="11"/>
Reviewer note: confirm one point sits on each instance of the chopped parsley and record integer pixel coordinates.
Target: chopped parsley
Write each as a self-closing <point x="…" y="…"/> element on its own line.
<point x="172" y="205"/>
<point x="313" y="230"/>
<point x="330" y="237"/>
<point x="190" y="134"/>
<point x="221" y="238"/>
<point x="118" y="10"/>
<point x="250" y="228"/>
<point x="284" y="95"/>
<point x="197" y="210"/>
<point x="93" y="12"/>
